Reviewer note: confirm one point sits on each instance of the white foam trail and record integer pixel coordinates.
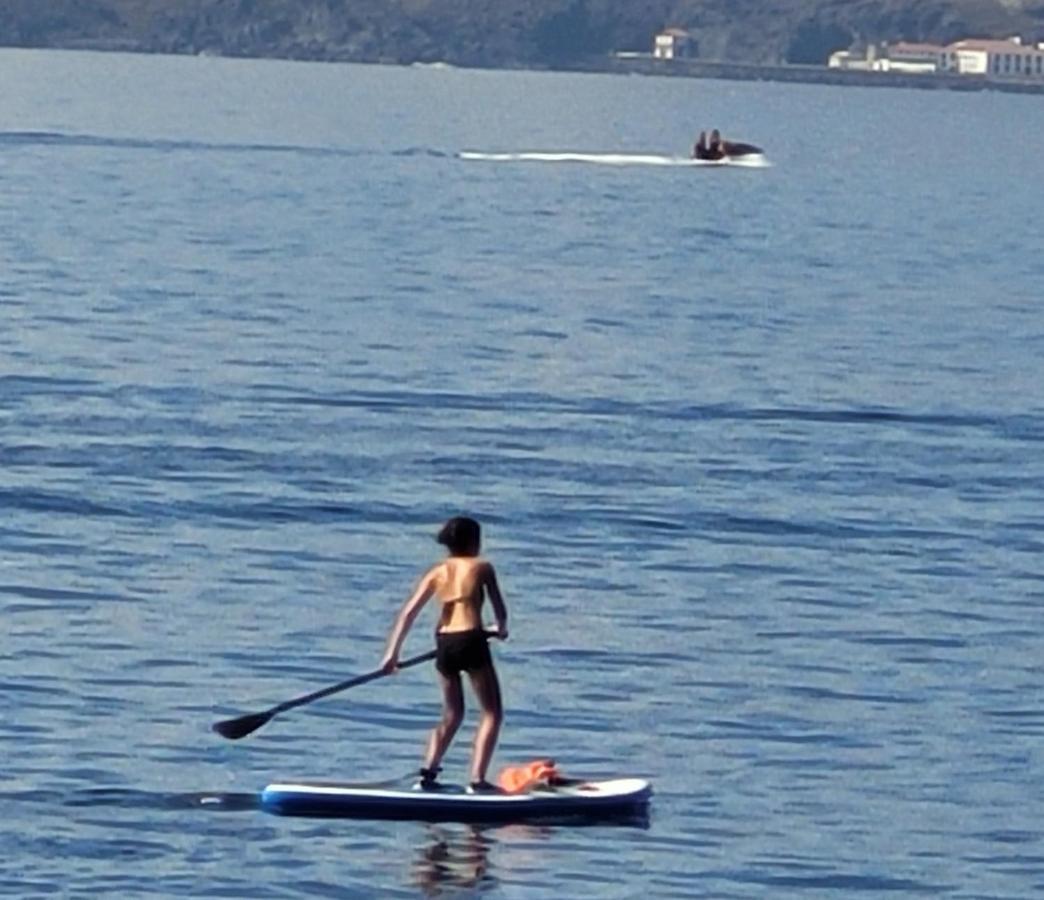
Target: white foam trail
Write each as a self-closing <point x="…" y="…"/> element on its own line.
<point x="753" y="161"/>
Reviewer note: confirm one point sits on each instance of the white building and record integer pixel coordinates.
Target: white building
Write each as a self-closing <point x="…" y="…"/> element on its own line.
<point x="903" y="56"/>
<point x="911" y="58"/>
<point x="674" y="43"/>
<point x="846" y="59"/>
<point x="1010" y="58"/>
<point x="973" y="56"/>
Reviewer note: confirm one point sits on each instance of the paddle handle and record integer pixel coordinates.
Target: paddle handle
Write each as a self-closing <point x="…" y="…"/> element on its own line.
<point x="350" y="683"/>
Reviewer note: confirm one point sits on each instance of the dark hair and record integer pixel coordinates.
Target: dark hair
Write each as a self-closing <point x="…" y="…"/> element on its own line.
<point x="461" y="535"/>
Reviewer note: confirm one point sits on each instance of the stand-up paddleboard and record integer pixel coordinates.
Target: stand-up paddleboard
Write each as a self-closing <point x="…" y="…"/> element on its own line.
<point x="590" y="800"/>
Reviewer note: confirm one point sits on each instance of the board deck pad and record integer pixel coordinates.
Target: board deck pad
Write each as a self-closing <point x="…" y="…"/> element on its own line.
<point x="616" y="798"/>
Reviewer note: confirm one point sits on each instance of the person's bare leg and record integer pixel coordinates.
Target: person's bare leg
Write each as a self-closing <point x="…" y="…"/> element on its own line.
<point x="452" y="715"/>
<point x="487" y="690"/>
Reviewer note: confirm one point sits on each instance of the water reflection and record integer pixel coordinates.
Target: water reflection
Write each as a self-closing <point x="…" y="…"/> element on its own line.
<point x="455" y="857"/>
<point x="452" y="858"/>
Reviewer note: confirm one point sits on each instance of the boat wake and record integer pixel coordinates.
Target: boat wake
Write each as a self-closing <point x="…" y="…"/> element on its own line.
<point x="750" y="161"/>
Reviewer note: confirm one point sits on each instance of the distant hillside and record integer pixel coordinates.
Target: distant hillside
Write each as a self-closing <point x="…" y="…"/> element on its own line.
<point x="504" y="32"/>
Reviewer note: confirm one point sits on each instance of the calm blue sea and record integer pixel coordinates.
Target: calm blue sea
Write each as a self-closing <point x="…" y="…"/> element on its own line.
<point x="760" y="456"/>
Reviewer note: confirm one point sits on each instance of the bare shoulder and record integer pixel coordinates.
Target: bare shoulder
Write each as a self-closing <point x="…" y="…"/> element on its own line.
<point x="436" y="574"/>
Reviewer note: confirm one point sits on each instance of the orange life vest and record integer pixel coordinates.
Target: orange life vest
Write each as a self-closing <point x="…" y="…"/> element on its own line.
<point x="518" y="779"/>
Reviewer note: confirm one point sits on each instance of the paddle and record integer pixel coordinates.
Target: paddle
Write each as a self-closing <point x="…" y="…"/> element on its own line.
<point x="234" y="729"/>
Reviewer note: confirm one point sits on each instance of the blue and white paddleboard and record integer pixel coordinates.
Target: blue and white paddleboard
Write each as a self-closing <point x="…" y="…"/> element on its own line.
<point x="621" y="797"/>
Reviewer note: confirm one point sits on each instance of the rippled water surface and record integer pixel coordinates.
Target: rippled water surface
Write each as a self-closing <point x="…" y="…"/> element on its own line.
<point x="760" y="455"/>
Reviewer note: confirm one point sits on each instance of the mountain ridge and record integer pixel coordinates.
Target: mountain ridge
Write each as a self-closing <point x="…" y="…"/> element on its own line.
<point x="493" y="33"/>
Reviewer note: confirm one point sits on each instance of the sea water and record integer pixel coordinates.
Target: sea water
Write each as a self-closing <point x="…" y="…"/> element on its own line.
<point x="759" y="454"/>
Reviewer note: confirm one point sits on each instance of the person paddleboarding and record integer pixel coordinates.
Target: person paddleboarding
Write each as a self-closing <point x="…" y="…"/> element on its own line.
<point x="460" y="583"/>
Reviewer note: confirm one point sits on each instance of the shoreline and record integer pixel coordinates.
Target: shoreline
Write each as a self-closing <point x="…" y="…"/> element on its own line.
<point x="629" y="65"/>
<point x="728" y="71"/>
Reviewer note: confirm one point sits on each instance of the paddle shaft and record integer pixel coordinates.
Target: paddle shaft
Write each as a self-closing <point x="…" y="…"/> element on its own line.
<point x="357" y="680"/>
<point x="240" y="727"/>
<point x="348" y="683"/>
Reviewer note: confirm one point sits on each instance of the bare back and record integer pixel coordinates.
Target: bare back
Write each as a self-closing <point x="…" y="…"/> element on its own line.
<point x="460" y="583"/>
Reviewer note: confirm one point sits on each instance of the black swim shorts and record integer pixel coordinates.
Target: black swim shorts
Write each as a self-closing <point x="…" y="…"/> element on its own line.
<point x="461" y="651"/>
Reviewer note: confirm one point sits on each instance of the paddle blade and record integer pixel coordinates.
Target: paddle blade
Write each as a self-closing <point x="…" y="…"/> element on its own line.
<point x="234" y="729"/>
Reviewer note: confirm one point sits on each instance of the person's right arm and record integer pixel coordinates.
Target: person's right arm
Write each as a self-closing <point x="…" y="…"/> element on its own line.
<point x="405" y="619"/>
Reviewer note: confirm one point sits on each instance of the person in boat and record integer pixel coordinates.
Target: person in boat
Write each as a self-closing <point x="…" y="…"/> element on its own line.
<point x="459" y="583"/>
<point x="716" y="147"/>
<point x="699" y="151"/>
<point x="719" y="148"/>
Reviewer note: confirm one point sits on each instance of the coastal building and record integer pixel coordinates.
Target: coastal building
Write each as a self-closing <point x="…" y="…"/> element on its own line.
<point x="973" y="56"/>
<point x="674" y="43"/>
<point x="1010" y="58"/>
<point x="912" y="58"/>
<point x="849" y="59"/>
